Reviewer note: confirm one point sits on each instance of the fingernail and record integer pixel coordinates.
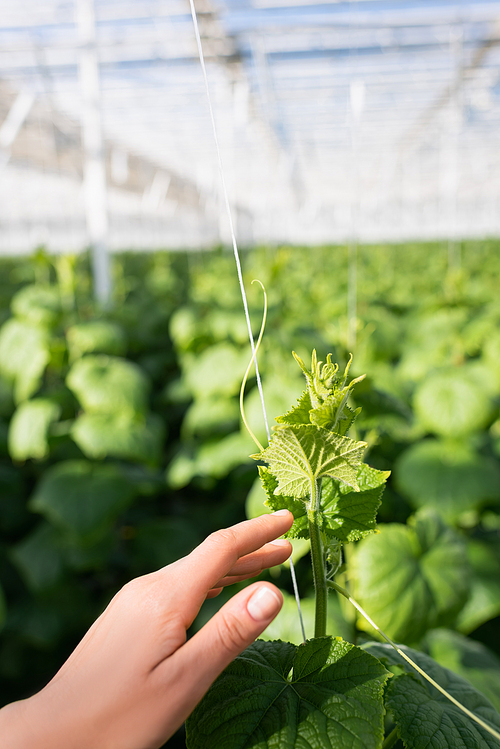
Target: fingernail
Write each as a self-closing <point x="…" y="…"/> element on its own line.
<point x="280" y="542"/>
<point x="263" y="604"/>
<point x="281" y="512"/>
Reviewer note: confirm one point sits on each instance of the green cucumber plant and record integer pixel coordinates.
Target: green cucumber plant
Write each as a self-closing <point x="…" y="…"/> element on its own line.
<point x="327" y="692"/>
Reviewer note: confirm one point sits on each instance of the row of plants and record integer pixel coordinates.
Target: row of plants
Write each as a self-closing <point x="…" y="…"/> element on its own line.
<point x="122" y="445"/>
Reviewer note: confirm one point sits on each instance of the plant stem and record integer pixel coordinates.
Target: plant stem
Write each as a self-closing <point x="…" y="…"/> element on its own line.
<point x="318" y="560"/>
<point x="391" y="739"/>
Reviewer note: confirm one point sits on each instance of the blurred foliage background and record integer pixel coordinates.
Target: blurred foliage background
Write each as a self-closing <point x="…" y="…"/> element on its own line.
<point x="121" y="445"/>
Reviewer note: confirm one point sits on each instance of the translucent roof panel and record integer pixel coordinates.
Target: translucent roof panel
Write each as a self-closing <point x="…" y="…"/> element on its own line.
<point x="366" y="120"/>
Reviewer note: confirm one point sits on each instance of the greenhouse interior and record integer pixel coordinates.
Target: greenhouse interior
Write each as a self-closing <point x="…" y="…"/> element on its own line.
<point x="250" y="262"/>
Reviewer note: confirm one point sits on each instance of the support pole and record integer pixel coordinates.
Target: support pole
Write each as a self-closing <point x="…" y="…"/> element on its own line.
<point x="16" y="116"/>
<point x="94" y="173"/>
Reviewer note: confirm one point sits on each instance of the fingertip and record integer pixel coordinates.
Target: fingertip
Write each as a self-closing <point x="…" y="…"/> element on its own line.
<point x="264" y="603"/>
<point x="284" y="542"/>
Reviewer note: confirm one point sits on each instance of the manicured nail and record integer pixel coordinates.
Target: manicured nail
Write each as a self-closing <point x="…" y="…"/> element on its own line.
<point x="281" y="512"/>
<point x="263" y="604"/>
<point x="280" y="542"/>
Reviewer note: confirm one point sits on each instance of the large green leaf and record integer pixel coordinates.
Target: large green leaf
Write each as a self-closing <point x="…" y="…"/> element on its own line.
<point x="425" y="718"/>
<point x="215" y="459"/>
<point x="483" y="603"/>
<point x="24" y="354"/>
<point x="108" y="384"/>
<point x="449" y="476"/>
<point x="432" y="340"/>
<point x="210" y="416"/>
<point x="450" y="403"/>
<point x="300" y="455"/>
<point x="96" y="336"/>
<point x="219" y="457"/>
<point x="325" y="693"/>
<point x="37" y="304"/>
<point x="468" y="658"/>
<point x="119" y="435"/>
<point x="413" y="577"/>
<point x="38" y="557"/>
<point x="217" y="371"/>
<point x="81" y="498"/>
<point x="29" y="428"/>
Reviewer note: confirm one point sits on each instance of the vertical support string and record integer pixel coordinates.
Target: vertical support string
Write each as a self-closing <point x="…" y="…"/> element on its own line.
<point x="238" y="264"/>
<point x="228" y="211"/>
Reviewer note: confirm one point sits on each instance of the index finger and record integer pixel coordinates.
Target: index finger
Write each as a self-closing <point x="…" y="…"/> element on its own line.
<point x="213" y="558"/>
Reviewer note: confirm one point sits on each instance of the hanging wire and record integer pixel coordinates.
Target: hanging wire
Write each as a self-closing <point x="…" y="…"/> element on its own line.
<point x="238" y="265"/>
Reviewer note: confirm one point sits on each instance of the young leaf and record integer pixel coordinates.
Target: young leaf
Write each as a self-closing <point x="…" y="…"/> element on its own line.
<point x="346" y="515"/>
<point x="299" y="455"/>
<point x="275" y="502"/>
<point x="350" y="515"/>
<point x="298" y="414"/>
<point x="425" y="718"/>
<point x="324" y="693"/>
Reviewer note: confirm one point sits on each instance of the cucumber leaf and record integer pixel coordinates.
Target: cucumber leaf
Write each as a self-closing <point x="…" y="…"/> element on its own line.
<point x="350" y="515"/>
<point x="450" y="403"/>
<point x="109" y="384"/>
<point x="323" y="693"/>
<point x="275" y="502"/>
<point x="449" y="476"/>
<point x="24" y="355"/>
<point x="299" y="455"/>
<point x="80" y="498"/>
<point x="483" y="603"/>
<point x="468" y="658"/>
<point x="425" y="718"/>
<point x="119" y="435"/>
<point x="346" y="515"/>
<point x="29" y="428"/>
<point x="298" y="414"/>
<point x="412" y="577"/>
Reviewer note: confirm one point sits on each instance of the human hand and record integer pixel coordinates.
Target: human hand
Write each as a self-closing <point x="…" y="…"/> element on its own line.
<point x="134" y="678"/>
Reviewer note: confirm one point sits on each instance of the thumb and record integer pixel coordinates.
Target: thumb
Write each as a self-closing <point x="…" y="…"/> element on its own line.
<point x="235" y="626"/>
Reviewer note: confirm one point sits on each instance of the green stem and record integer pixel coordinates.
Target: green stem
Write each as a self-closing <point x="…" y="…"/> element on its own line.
<point x="391" y="739"/>
<point x="318" y="559"/>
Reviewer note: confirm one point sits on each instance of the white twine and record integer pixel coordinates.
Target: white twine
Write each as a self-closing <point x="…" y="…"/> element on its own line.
<point x="238" y="264"/>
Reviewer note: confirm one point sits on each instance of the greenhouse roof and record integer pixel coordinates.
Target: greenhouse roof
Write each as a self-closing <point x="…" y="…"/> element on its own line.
<point x="366" y="120"/>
